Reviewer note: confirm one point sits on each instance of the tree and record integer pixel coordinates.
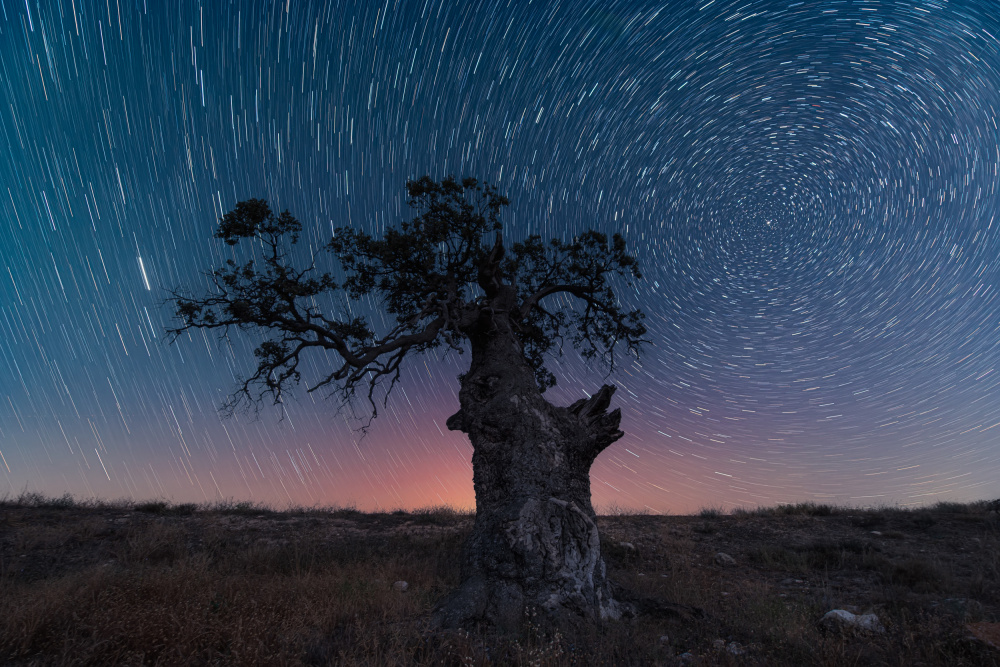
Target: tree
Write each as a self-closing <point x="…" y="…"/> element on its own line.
<point x="535" y="543"/>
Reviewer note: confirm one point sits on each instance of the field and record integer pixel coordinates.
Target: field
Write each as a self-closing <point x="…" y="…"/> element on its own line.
<point x="239" y="584"/>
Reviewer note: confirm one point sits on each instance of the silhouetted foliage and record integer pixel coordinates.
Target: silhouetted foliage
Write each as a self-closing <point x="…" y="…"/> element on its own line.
<point x="436" y="274"/>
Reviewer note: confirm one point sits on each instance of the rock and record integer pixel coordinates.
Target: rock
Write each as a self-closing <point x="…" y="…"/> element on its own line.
<point x="686" y="658"/>
<point x="733" y="648"/>
<point x="627" y="545"/>
<point x="401" y="586"/>
<point x="664" y="639"/>
<point x="841" y="619"/>
<point x="724" y="559"/>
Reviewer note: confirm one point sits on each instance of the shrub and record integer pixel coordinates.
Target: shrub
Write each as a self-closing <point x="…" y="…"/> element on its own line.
<point x="952" y="508"/>
<point x="808" y="509"/>
<point x="152" y="507"/>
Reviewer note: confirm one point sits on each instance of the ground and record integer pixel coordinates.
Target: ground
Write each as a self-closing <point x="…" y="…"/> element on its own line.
<point x="154" y="583"/>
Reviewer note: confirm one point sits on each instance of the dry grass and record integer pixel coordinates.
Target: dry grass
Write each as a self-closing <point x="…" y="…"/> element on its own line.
<point x="244" y="584"/>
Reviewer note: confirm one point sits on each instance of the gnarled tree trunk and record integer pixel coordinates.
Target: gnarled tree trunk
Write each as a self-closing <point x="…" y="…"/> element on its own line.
<point x="535" y="543"/>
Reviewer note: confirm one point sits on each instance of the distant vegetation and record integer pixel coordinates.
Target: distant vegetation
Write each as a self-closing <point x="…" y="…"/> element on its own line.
<point x="31" y="499"/>
<point x="34" y="500"/>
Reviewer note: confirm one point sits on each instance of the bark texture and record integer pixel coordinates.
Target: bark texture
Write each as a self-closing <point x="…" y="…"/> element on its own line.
<point x="535" y="543"/>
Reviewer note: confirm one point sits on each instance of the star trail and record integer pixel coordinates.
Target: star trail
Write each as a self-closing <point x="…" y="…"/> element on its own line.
<point x="810" y="188"/>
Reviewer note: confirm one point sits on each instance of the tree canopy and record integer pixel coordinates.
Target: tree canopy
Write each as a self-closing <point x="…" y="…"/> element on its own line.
<point x="439" y="276"/>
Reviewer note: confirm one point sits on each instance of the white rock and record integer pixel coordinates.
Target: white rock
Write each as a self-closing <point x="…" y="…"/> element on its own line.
<point x="401" y="586"/>
<point x="841" y="618"/>
<point x="724" y="559"/>
<point x="627" y="545"/>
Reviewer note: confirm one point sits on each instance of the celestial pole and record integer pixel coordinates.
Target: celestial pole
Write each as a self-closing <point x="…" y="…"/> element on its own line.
<point x="810" y="189"/>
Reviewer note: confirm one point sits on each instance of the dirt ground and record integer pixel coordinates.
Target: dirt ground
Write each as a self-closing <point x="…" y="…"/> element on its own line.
<point x="89" y="584"/>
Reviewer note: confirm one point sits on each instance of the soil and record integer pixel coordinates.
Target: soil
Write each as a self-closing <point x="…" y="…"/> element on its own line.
<point x="932" y="576"/>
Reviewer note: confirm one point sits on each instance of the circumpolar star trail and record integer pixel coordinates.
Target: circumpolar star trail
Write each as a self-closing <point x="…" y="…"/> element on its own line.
<point x="810" y="188"/>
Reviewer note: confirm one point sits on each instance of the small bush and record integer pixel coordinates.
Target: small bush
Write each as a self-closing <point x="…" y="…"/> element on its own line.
<point x="33" y="499"/>
<point x="807" y="509"/>
<point x="952" y="508"/>
<point x="152" y="507"/>
<point x="751" y="513"/>
<point x="443" y="515"/>
<point x="62" y="503"/>
<point x="348" y="513"/>
<point x="819" y="510"/>
<point x="184" y="509"/>
<point x="241" y="508"/>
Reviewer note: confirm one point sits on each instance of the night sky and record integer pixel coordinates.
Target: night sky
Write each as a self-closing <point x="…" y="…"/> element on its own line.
<point x="810" y="187"/>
